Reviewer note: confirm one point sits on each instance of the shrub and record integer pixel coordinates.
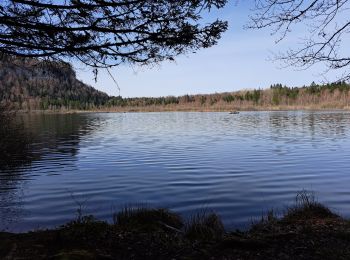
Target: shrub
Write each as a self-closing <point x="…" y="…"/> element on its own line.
<point x="306" y="207"/>
<point x="204" y="226"/>
<point x="145" y="218"/>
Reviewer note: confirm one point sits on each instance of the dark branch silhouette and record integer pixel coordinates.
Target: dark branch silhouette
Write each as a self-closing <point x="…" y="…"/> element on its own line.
<point x="328" y="23"/>
<point x="105" y="33"/>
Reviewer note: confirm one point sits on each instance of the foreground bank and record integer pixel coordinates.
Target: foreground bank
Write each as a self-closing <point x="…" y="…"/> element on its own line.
<point x="308" y="230"/>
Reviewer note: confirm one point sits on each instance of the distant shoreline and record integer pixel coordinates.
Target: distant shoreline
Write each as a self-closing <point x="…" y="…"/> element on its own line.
<point x="160" y="109"/>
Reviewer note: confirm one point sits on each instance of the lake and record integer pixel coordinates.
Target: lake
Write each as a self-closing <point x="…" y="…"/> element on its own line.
<point x="240" y="165"/>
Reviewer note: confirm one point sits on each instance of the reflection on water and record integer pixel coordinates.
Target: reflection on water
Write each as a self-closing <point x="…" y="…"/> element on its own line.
<point x="14" y="155"/>
<point x="239" y="165"/>
<point x="24" y="141"/>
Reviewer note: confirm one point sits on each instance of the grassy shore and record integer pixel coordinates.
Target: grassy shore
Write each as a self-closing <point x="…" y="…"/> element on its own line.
<point x="306" y="230"/>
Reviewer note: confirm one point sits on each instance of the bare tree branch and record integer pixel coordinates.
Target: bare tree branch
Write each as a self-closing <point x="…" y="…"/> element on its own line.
<point x="328" y="22"/>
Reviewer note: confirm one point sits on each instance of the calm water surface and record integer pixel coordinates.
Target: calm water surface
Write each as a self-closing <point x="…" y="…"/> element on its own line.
<point x="239" y="165"/>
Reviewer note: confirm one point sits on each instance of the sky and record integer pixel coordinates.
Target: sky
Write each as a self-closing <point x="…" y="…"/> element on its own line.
<point x="242" y="59"/>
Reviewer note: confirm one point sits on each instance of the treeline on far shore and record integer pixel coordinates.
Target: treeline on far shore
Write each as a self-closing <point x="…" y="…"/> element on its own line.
<point x="327" y="96"/>
<point x="30" y="84"/>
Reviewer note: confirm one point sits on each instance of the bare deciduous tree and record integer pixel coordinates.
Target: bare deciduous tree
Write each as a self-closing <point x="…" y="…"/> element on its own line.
<point x="328" y="24"/>
<point x="105" y="33"/>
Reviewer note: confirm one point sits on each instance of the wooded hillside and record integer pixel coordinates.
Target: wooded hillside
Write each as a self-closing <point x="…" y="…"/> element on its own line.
<point x="30" y="84"/>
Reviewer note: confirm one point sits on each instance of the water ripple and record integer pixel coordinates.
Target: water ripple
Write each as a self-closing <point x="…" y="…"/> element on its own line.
<point x="238" y="165"/>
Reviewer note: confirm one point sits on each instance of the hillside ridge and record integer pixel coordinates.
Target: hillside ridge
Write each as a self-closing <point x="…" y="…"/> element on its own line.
<point x="30" y="84"/>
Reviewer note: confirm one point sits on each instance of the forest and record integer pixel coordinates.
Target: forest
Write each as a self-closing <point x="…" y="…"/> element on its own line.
<point x="277" y="96"/>
<point x="30" y="84"/>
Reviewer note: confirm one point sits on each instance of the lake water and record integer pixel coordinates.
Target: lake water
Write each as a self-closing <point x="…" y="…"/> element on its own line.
<point x="238" y="165"/>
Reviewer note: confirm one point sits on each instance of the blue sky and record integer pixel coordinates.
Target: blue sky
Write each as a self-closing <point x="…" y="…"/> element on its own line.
<point x="241" y="60"/>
